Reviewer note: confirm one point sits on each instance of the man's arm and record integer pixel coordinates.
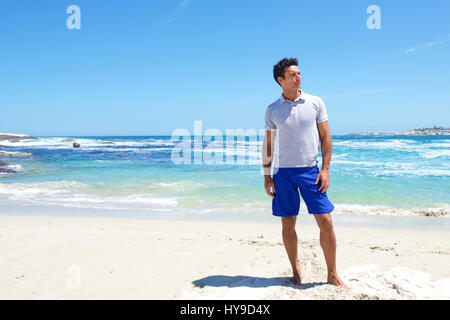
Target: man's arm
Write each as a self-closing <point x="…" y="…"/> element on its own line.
<point x="267" y="157"/>
<point x="326" y="146"/>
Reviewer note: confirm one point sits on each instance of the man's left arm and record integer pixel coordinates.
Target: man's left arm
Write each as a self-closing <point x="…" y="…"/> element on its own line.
<point x="326" y="146"/>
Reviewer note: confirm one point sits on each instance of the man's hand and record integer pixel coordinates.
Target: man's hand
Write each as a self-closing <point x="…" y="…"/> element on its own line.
<point x="268" y="183"/>
<point x="324" y="179"/>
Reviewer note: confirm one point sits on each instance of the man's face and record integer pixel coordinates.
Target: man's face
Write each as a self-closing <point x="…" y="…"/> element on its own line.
<point x="292" y="80"/>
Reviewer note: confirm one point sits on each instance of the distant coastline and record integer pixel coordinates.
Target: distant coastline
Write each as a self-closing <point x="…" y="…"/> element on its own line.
<point x="414" y="132"/>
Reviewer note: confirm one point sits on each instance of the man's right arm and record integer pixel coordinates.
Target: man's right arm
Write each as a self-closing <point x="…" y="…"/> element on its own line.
<point x="267" y="157"/>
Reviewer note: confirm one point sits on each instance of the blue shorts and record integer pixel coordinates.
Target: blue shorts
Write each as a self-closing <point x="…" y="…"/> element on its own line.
<point x="287" y="200"/>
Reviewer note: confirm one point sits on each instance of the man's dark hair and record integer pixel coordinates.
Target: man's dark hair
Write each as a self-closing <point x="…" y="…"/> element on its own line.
<point x="279" y="68"/>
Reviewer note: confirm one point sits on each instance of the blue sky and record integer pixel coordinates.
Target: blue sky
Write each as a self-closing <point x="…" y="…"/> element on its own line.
<point x="150" y="67"/>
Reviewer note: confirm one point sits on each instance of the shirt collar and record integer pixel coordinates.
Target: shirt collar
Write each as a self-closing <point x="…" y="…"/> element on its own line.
<point x="300" y="97"/>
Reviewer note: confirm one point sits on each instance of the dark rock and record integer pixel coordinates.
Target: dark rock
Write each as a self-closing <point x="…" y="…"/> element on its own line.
<point x="7" y="170"/>
<point x="76" y="145"/>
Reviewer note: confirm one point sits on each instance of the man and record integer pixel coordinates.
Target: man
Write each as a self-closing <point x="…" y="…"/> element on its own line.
<point x="295" y="124"/>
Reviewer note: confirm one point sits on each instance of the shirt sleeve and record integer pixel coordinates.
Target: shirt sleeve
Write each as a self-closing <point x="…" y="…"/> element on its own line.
<point x="321" y="112"/>
<point x="270" y="125"/>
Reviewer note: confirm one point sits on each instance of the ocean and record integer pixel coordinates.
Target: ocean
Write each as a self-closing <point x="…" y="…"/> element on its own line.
<point x="369" y="175"/>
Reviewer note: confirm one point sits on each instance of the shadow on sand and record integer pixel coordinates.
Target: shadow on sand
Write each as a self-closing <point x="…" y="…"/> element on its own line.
<point x="252" y="282"/>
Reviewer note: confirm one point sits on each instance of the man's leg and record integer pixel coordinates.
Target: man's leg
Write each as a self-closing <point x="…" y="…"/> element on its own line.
<point x="328" y="244"/>
<point x="290" y="243"/>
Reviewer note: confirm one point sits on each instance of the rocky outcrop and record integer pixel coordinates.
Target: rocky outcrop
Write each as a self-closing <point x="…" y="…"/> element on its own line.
<point x="15" y="137"/>
<point x="14" y="154"/>
<point x="5" y="169"/>
<point x="76" y="145"/>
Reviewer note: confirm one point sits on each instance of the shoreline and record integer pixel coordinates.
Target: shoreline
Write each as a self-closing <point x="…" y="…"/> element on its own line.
<point x="406" y="222"/>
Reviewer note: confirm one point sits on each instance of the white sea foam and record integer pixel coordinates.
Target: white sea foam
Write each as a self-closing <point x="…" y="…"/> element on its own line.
<point x="431" y="154"/>
<point x="22" y="190"/>
<point x="57" y="143"/>
<point x="413" y="172"/>
<point x="133" y="150"/>
<point x="358" y="163"/>
<point x="10" y="153"/>
<point x="35" y="143"/>
<point x="78" y="194"/>
<point x="438" y="144"/>
<point x="179" y="195"/>
<point x="438" y="148"/>
<point x="340" y="156"/>
<point x="397" y="144"/>
<point x="396" y="168"/>
<point x="15" y="167"/>
<point x="229" y="152"/>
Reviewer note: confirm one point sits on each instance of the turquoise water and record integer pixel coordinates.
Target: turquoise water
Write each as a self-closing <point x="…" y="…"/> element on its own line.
<point x="369" y="174"/>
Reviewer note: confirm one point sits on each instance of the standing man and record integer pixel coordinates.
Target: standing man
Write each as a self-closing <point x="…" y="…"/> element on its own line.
<point x="295" y="125"/>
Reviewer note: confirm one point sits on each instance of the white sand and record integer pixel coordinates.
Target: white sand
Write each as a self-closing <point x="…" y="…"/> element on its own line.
<point x="116" y="258"/>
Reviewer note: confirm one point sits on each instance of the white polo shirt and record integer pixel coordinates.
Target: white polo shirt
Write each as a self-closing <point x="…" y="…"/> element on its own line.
<point x="297" y="139"/>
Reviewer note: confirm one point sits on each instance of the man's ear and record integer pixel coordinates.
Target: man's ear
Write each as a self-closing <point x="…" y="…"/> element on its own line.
<point x="280" y="79"/>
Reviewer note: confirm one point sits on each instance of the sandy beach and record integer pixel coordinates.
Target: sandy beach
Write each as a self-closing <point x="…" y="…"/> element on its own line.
<point x="50" y="257"/>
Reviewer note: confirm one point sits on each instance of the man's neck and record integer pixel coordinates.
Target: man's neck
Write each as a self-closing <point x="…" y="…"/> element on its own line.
<point x="291" y="95"/>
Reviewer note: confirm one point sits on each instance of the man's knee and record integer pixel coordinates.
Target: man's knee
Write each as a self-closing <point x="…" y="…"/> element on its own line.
<point x="324" y="222"/>
<point x="288" y="224"/>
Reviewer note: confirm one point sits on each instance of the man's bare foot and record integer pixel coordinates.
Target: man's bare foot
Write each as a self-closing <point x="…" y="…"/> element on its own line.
<point x="297" y="279"/>
<point x="335" y="280"/>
